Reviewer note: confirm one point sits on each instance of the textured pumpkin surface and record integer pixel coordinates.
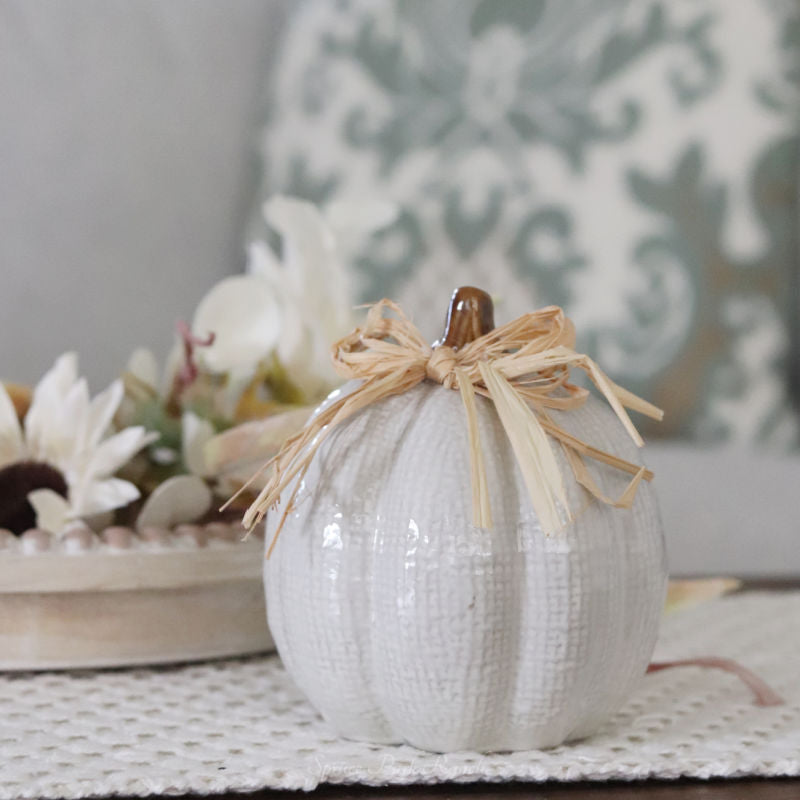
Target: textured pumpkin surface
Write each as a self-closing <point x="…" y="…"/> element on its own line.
<point x="401" y="621"/>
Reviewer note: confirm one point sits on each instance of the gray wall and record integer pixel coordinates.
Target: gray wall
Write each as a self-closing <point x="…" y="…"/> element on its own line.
<point x="728" y="511"/>
<point x="127" y="163"/>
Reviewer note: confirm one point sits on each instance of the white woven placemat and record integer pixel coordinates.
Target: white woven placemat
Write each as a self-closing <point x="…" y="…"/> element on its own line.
<point x="241" y="725"/>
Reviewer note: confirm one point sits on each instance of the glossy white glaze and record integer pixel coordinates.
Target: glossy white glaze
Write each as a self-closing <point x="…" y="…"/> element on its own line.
<point x="403" y="622"/>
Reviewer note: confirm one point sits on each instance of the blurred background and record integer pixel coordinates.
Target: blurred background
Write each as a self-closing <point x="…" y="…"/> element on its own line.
<point x="635" y="162"/>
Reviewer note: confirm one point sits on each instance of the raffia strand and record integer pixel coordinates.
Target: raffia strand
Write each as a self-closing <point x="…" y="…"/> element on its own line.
<point x="522" y="367"/>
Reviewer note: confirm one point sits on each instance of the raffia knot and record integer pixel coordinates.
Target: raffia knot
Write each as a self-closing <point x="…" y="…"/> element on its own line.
<point x="521" y="367"/>
<point x="441" y="366"/>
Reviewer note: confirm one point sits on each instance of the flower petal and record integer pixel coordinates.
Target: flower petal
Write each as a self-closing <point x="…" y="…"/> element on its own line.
<point x="313" y="266"/>
<point x="61" y="376"/>
<point x="44" y="415"/>
<point x="99" y="496"/>
<point x="244" y="448"/>
<point x="143" y="365"/>
<point x="52" y="510"/>
<point x="313" y="376"/>
<point x="261" y="261"/>
<point x="182" y="498"/>
<point x="116" y="451"/>
<point x="101" y="412"/>
<point x="317" y="285"/>
<point x="63" y="445"/>
<point x="195" y="433"/>
<point x="11" y="445"/>
<point x="307" y="244"/>
<point x="243" y="314"/>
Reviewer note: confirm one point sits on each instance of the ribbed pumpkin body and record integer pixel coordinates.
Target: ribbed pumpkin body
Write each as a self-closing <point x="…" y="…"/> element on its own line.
<point x="402" y="622"/>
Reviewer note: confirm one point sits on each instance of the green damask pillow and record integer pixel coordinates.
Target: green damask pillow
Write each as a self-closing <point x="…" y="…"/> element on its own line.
<point x="633" y="162"/>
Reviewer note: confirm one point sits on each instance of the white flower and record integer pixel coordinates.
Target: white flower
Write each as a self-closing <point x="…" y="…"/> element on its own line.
<point x="57" y="468"/>
<point x="294" y="306"/>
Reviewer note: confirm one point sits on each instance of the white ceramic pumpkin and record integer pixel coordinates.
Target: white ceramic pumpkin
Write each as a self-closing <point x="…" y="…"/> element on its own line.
<point x="403" y="622"/>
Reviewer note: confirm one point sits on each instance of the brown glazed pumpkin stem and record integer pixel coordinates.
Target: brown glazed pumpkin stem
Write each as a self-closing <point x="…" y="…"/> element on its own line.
<point x="470" y="316"/>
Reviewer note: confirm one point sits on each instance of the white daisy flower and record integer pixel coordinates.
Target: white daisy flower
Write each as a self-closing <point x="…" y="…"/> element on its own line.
<point x="57" y="467"/>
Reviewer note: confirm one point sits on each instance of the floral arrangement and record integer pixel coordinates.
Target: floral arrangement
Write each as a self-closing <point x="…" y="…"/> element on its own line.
<point x="163" y="446"/>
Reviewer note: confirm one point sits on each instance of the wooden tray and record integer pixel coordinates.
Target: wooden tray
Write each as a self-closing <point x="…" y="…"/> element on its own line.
<point x="121" y="599"/>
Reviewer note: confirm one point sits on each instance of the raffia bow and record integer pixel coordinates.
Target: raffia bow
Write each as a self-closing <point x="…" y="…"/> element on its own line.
<point x="522" y="367"/>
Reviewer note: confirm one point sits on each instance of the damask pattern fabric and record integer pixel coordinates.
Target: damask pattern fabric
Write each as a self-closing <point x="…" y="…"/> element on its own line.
<point x="633" y="162"/>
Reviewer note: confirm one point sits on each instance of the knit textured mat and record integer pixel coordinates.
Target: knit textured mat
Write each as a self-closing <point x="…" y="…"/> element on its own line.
<point x="242" y="725"/>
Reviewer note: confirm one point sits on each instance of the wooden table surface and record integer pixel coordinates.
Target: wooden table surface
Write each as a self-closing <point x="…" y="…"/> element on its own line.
<point x="761" y="789"/>
<point x="753" y="789"/>
<point x="776" y="789"/>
